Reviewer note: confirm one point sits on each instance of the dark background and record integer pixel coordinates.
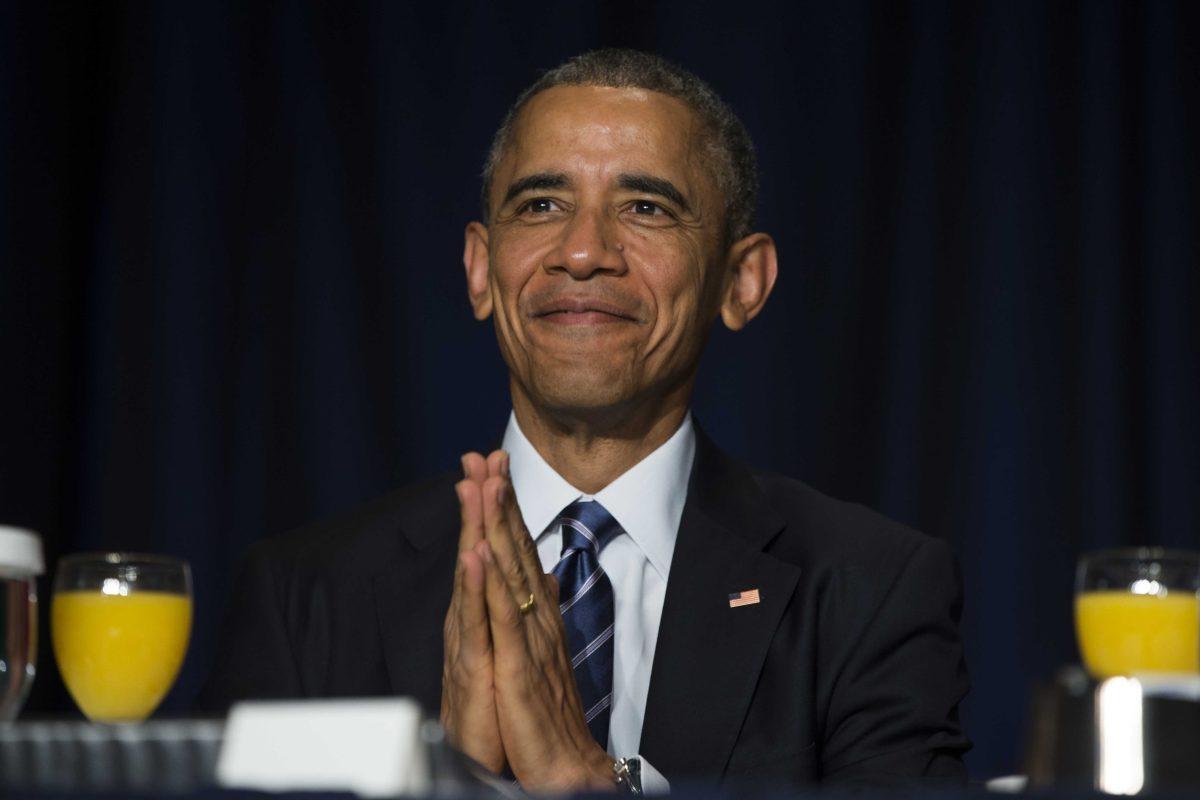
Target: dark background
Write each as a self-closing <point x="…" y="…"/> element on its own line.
<point x="231" y="297"/>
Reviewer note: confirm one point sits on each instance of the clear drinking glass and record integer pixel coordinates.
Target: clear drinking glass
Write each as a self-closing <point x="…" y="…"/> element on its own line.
<point x="120" y="624"/>
<point x="1137" y="610"/>
<point x="20" y="564"/>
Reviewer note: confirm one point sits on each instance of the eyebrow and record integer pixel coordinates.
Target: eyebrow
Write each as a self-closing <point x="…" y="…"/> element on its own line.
<point x="633" y="181"/>
<point x="650" y="184"/>
<point x="536" y="182"/>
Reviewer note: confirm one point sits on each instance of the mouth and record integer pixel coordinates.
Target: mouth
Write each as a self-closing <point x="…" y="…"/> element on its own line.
<point x="582" y="311"/>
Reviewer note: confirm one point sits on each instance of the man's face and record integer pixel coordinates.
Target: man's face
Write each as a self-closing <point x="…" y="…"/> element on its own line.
<point x="603" y="256"/>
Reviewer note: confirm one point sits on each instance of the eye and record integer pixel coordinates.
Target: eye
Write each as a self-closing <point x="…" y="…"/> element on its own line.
<point x="539" y="205"/>
<point x="647" y="208"/>
<point x="649" y="213"/>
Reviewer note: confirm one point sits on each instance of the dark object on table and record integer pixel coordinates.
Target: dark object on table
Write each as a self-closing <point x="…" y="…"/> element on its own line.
<point x="167" y="757"/>
<point x="160" y="756"/>
<point x="1123" y="736"/>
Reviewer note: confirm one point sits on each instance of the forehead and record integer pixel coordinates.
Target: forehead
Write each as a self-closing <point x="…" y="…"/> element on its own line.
<point x="600" y="131"/>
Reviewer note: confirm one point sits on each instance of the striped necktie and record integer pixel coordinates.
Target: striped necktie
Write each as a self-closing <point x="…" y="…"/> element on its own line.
<point x="586" y="602"/>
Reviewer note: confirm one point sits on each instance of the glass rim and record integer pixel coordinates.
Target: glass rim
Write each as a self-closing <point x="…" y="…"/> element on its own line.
<point x="118" y="558"/>
<point x="1149" y="553"/>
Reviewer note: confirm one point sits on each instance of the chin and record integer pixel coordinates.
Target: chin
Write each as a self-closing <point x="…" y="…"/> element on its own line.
<point x="582" y="391"/>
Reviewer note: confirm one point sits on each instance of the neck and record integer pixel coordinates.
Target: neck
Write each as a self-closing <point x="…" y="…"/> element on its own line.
<point x="593" y="448"/>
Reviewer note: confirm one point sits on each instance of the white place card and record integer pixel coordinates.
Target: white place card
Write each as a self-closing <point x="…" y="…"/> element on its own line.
<point x="371" y="747"/>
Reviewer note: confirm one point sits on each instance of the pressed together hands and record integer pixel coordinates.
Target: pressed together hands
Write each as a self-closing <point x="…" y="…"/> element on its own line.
<point x="509" y="696"/>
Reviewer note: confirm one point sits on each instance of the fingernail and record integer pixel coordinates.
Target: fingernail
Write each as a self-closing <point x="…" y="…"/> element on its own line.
<point x="504" y="465"/>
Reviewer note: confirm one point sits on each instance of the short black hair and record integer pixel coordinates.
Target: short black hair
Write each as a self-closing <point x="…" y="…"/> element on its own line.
<point x="733" y="163"/>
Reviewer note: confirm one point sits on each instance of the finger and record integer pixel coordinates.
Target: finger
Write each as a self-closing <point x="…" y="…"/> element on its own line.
<point x="452" y="630"/>
<point x="545" y="635"/>
<point x="504" y="617"/>
<point x="474" y="467"/>
<point x="453" y="627"/>
<point x="472" y="609"/>
<point x="470" y="503"/>
<point x="500" y="538"/>
<point x="497" y="464"/>
<point x="526" y="548"/>
<point x="450" y="626"/>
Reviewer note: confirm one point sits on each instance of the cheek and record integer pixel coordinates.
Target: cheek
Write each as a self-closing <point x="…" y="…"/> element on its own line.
<point x="509" y="276"/>
<point x="516" y="258"/>
<point x="676" y="283"/>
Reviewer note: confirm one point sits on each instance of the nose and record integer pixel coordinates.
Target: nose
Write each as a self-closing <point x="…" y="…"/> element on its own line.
<point x="588" y="246"/>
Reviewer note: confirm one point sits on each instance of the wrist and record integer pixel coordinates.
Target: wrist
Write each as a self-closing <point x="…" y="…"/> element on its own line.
<point x="588" y="770"/>
<point x="599" y="771"/>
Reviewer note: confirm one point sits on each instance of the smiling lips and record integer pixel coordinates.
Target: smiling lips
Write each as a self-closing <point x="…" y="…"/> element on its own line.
<point x="582" y="311"/>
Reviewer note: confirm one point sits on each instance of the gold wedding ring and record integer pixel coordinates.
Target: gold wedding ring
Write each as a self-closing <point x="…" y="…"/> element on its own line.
<point x="527" y="606"/>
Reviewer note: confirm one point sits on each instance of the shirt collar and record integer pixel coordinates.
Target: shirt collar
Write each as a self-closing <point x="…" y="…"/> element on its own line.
<point x="647" y="500"/>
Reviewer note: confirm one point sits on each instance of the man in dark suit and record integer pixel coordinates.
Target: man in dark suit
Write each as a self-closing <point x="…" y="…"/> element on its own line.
<point x="610" y="582"/>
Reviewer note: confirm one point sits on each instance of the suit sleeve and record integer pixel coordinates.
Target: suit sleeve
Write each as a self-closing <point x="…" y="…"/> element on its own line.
<point x="893" y="715"/>
<point x="254" y="655"/>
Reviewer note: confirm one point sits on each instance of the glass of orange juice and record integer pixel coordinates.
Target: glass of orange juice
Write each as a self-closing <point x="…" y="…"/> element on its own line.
<point x="120" y="623"/>
<point x="1137" y="610"/>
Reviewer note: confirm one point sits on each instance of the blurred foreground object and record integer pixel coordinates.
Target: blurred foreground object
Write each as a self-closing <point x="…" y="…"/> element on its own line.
<point x="21" y="561"/>
<point x="376" y="748"/>
<point x="166" y="756"/>
<point x="120" y="624"/>
<point x="1124" y="735"/>
<point x="1137" y="611"/>
<point x="370" y="747"/>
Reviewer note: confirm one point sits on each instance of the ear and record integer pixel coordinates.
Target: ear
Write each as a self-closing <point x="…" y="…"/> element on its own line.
<point x="475" y="260"/>
<point x="754" y="265"/>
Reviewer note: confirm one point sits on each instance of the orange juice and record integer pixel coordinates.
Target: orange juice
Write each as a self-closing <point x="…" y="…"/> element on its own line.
<point x="119" y="654"/>
<point x="1121" y="633"/>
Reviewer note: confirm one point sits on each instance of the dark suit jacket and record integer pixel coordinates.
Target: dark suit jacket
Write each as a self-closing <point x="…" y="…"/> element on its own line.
<point x="850" y="669"/>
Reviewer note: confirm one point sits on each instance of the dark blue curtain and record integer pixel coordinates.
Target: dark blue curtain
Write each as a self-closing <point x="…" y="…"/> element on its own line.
<point x="231" y="297"/>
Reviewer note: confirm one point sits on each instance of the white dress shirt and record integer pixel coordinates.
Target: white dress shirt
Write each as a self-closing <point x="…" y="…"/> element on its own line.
<point x="647" y="502"/>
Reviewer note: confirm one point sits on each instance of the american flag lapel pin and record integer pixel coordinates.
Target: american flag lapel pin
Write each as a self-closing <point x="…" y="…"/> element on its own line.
<point x="746" y="597"/>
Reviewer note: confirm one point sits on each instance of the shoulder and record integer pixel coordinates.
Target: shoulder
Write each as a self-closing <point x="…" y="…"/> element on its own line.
<point x="885" y="603"/>
<point x="863" y="571"/>
<point x="800" y="525"/>
<point x="824" y="531"/>
<point x="397" y="524"/>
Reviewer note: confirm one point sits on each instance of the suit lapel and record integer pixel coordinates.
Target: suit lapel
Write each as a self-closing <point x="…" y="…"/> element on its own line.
<point x="708" y="655"/>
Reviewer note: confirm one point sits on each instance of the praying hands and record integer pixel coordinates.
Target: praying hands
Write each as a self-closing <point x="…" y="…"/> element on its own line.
<point x="509" y="693"/>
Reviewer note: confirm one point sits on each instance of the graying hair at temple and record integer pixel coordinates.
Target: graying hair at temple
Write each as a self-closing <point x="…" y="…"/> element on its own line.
<point x="733" y="161"/>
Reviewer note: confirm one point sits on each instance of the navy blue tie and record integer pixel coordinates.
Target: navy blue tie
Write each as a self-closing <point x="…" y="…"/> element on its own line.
<point x="586" y="601"/>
